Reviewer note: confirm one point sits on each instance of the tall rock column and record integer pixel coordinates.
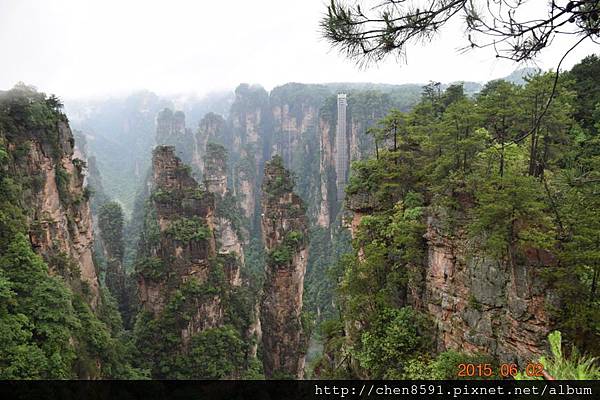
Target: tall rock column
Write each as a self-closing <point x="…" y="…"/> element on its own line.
<point x="226" y="220"/>
<point x="194" y="305"/>
<point x="285" y="234"/>
<point x="177" y="243"/>
<point x="171" y="131"/>
<point x="212" y="128"/>
<point x="249" y="121"/>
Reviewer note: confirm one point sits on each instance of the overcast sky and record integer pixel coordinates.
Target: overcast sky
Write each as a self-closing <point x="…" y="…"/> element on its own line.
<point x="83" y="48"/>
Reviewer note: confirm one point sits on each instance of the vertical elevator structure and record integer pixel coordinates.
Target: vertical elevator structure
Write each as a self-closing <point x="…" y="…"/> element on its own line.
<point x="341" y="147"/>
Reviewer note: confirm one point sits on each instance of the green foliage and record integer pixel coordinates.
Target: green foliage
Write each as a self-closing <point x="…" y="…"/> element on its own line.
<point x="151" y="267"/>
<point x="389" y="342"/>
<point x="216" y="151"/>
<point x="511" y="211"/>
<point x="562" y="367"/>
<point x="48" y="327"/>
<point x="213" y="353"/>
<point x="280" y="255"/>
<point x="279" y="179"/>
<point x="3" y="154"/>
<point x="63" y="179"/>
<point x="445" y="366"/>
<point x="391" y="246"/>
<point x="322" y="274"/>
<point x="25" y="109"/>
<point x="64" y="265"/>
<point x="586" y="84"/>
<point x="217" y="353"/>
<point x="186" y="230"/>
<point x="184" y="169"/>
<point x="294" y="239"/>
<point x="498" y="172"/>
<point x="110" y="224"/>
<point x="163" y="196"/>
<point x="228" y="207"/>
<point x="150" y="230"/>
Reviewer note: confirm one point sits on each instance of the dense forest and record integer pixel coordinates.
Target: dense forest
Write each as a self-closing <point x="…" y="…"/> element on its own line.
<point x="217" y="247"/>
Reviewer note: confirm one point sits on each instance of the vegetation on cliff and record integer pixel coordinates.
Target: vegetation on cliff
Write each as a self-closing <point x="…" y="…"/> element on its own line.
<point x="285" y="235"/>
<point x="49" y="328"/>
<point x="515" y="173"/>
<point x="505" y="176"/>
<point x="195" y="314"/>
<point x="120" y="285"/>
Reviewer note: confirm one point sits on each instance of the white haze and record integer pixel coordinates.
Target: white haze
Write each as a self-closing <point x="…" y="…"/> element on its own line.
<point x="80" y="48"/>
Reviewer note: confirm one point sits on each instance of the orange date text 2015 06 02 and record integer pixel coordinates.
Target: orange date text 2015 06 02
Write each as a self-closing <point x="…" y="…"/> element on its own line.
<point x="504" y="370"/>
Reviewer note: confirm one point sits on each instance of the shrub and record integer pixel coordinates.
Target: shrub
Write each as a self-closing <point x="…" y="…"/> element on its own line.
<point x="150" y="267"/>
<point x="562" y="367"/>
<point x="63" y="178"/>
<point x="280" y="255"/>
<point x="186" y="230"/>
<point x="294" y="239"/>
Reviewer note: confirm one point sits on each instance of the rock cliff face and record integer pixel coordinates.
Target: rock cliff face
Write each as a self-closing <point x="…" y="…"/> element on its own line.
<point x="323" y="208"/>
<point x="55" y="314"/>
<point x="478" y="303"/>
<point x="169" y="125"/>
<point x="249" y="122"/>
<point x="177" y="243"/>
<point x="171" y="130"/>
<point x="297" y="121"/>
<point x="189" y="268"/>
<point x="187" y="244"/>
<point x="295" y="109"/>
<point x="364" y="109"/>
<point x="212" y="128"/>
<point x="290" y="130"/>
<point x="92" y="177"/>
<point x="481" y="304"/>
<point x="285" y="233"/>
<point x="60" y="218"/>
<point x="226" y="227"/>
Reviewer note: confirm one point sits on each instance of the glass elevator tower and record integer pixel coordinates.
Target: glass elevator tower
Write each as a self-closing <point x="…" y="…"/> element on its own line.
<point x="341" y="147"/>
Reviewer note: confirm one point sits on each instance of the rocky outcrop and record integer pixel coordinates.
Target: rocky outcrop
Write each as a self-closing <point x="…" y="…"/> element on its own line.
<point x="323" y="218"/>
<point x="296" y="136"/>
<point x="226" y="221"/>
<point x="171" y="130"/>
<point x="177" y="242"/>
<point x="190" y="285"/>
<point x="169" y="125"/>
<point x="185" y="243"/>
<point x="482" y="304"/>
<point x="478" y="303"/>
<point x="212" y="128"/>
<point x="215" y="169"/>
<point x="249" y="122"/>
<point x="60" y="219"/>
<point x="285" y="234"/>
